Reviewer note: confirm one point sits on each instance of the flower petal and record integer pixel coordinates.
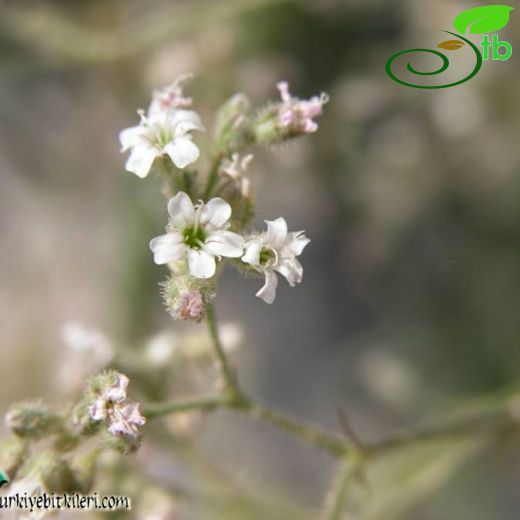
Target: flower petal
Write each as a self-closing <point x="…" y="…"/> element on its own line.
<point x="141" y="159"/>
<point x="252" y="254"/>
<point x="181" y="210"/>
<point x="297" y="242"/>
<point x="225" y="243"/>
<point x="167" y="248"/>
<point x="130" y="137"/>
<point x="276" y="232"/>
<point x="292" y="270"/>
<point x="185" y="121"/>
<point x="117" y="393"/>
<point x="201" y="263"/>
<point x="268" y="291"/>
<point x="215" y="213"/>
<point x="182" y="151"/>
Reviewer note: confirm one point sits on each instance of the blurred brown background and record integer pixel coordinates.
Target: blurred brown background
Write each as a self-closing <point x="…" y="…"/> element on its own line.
<point x="409" y="306"/>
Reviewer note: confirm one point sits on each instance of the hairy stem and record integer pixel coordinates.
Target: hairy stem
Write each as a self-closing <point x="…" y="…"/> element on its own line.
<point x="308" y="433"/>
<point x="491" y="423"/>
<point x="229" y="378"/>
<point x="351" y="452"/>
<point x="203" y="404"/>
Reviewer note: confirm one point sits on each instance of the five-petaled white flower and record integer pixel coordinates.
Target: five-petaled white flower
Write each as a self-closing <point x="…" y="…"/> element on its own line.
<point x="275" y="251"/>
<point x="198" y="233"/>
<point x="298" y="114"/>
<point x="162" y="133"/>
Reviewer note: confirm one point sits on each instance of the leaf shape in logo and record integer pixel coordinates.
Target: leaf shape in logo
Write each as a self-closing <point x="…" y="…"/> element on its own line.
<point x="451" y="45"/>
<point x="485" y="19"/>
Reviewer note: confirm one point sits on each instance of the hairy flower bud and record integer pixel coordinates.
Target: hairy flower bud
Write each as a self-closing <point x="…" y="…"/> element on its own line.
<point x="232" y="123"/>
<point x="84" y="467"/>
<point x="32" y="419"/>
<point x="13" y="452"/>
<point x="290" y="118"/>
<point x="266" y="128"/>
<point x="52" y="471"/>
<point x="186" y="298"/>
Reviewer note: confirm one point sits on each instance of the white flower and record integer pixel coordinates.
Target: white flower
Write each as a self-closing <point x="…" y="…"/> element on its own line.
<point x="235" y="168"/>
<point x="276" y="251"/>
<point x="125" y="420"/>
<point x="170" y="98"/>
<point x="198" y="233"/>
<point x="115" y="394"/>
<point x="121" y="413"/>
<point x="159" y="134"/>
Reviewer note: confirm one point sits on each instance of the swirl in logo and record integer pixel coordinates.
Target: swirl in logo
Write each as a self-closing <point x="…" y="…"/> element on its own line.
<point x="444" y="66"/>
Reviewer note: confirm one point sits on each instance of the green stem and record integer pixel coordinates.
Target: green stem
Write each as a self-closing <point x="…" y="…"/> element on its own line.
<point x="335" y="499"/>
<point x="202" y="404"/>
<point x="213" y="175"/>
<point x="231" y="385"/>
<point x="490" y="423"/>
<point x="310" y="434"/>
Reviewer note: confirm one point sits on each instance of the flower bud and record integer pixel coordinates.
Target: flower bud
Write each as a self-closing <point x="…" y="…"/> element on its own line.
<point x="186" y="298"/>
<point x="53" y="471"/>
<point x="32" y="419"/>
<point x="13" y="452"/>
<point x="232" y="123"/>
<point x="84" y="468"/>
<point x="266" y="128"/>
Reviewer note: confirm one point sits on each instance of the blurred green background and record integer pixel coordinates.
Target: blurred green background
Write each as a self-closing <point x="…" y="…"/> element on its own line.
<point x="409" y="306"/>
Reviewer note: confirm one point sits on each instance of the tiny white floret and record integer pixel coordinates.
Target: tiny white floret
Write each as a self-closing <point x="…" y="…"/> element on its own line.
<point x="275" y="251"/>
<point x="161" y="134"/>
<point x="197" y="233"/>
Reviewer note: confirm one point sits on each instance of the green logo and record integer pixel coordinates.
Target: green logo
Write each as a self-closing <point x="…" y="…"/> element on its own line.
<point x="3" y="479"/>
<point x="480" y="20"/>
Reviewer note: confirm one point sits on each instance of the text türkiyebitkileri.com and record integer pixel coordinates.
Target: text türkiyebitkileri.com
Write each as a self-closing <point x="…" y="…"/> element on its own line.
<point x="60" y="502"/>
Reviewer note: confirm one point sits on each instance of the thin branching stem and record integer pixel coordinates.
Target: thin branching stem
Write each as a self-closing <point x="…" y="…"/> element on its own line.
<point x="337" y="495"/>
<point x="305" y="432"/>
<point x="228" y="375"/>
<point x="351" y="452"/>
<point x="202" y="404"/>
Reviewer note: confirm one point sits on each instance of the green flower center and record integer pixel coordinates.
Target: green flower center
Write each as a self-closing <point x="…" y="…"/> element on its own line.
<point x="160" y="136"/>
<point x="193" y="236"/>
<point x="267" y="257"/>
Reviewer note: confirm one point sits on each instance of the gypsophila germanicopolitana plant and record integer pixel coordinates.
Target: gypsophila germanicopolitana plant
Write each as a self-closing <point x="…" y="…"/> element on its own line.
<point x="209" y="217"/>
<point x="209" y="225"/>
<point x="183" y="376"/>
